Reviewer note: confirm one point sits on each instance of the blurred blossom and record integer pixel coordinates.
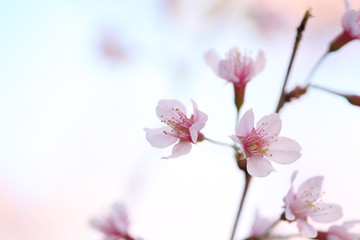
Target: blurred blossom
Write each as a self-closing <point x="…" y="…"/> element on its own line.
<point x="267" y="20"/>
<point x="260" y="227"/>
<point x="111" y="47"/>
<point x="237" y="68"/>
<point x="114" y="226"/>
<point x="307" y="203"/>
<point x="181" y="129"/>
<point x="351" y="26"/>
<point x="263" y="144"/>
<point x="340" y="232"/>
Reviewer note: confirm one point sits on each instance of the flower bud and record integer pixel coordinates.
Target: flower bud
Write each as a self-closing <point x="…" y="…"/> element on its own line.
<point x="353" y="99"/>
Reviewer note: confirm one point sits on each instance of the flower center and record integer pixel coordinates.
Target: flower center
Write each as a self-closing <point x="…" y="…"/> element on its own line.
<point x="310" y="203"/>
<point x="179" y="123"/>
<point x="240" y="66"/>
<point x="257" y="142"/>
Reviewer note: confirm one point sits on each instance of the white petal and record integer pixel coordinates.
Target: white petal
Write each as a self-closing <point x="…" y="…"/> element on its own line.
<point x="326" y="212"/>
<point x="246" y="124"/>
<point x="157" y="137"/>
<point x="198" y="115"/>
<point x="271" y="124"/>
<point x="236" y="139"/>
<point x="165" y="106"/>
<point x="306" y="229"/>
<point x="212" y="60"/>
<point x="120" y="218"/>
<point x="259" y="167"/>
<point x="259" y="63"/>
<point x="194" y="130"/>
<point x="283" y="157"/>
<point x="310" y="190"/>
<point x="349" y="22"/>
<point x="293" y="176"/>
<point x="226" y="73"/>
<point x="289" y="199"/>
<point x="180" y="149"/>
<point x="284" y="143"/>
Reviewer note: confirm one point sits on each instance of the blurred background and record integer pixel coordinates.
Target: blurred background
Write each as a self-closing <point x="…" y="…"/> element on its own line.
<point x="79" y="80"/>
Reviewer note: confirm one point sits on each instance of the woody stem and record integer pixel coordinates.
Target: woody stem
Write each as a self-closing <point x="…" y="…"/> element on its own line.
<point x="246" y="187"/>
<point x="300" y="29"/>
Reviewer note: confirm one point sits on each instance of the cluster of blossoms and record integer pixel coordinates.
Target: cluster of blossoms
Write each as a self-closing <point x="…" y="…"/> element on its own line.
<point x="256" y="147"/>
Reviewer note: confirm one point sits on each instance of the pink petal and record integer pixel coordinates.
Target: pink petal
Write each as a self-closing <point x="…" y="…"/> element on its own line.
<point x="342" y="232"/>
<point x="259" y="167"/>
<point x="259" y="64"/>
<point x="246" y="124"/>
<point x="349" y="22"/>
<point x="347" y="5"/>
<point x="288" y="199"/>
<point x="311" y="189"/>
<point x="289" y="214"/>
<point x="157" y="137"/>
<point x="326" y="212"/>
<point x="212" y="60"/>
<point x="260" y="225"/>
<point x="236" y="139"/>
<point x="165" y="106"/>
<point x="306" y="229"/>
<point x="332" y="237"/>
<point x="350" y="224"/>
<point x="283" y="157"/>
<point x="194" y="130"/>
<point x="226" y="73"/>
<point x="293" y="176"/>
<point x="284" y="143"/>
<point x="120" y="218"/>
<point x="198" y="115"/>
<point x="104" y="225"/>
<point x="180" y="149"/>
<point x="271" y="124"/>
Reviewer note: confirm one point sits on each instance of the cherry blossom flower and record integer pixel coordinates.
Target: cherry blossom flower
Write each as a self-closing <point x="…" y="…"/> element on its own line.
<point x="237" y="68"/>
<point x="351" y="26"/>
<point x="307" y="203"/>
<point x="262" y="144"/>
<point x="115" y="226"/>
<point x="181" y="129"/>
<point x="339" y="232"/>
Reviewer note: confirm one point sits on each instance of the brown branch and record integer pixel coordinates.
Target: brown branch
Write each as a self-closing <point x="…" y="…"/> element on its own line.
<point x="300" y="30"/>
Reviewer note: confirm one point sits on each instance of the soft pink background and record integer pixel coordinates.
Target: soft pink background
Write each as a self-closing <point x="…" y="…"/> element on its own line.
<point x="79" y="80"/>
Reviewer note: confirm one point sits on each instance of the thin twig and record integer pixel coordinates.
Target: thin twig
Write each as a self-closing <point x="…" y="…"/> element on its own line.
<point x="246" y="187"/>
<point x="300" y="29"/>
<point x="325" y="89"/>
<point x="220" y="143"/>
